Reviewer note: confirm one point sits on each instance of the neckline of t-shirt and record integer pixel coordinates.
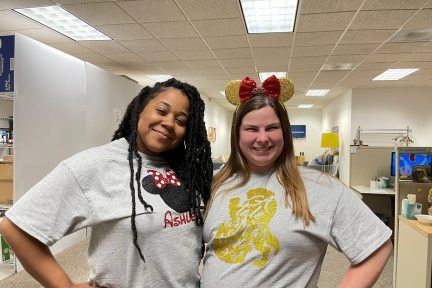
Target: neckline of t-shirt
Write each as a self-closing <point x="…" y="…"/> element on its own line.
<point x="146" y="157"/>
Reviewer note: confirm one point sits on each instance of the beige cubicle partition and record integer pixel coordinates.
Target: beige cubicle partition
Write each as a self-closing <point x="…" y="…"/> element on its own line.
<point x="367" y="162"/>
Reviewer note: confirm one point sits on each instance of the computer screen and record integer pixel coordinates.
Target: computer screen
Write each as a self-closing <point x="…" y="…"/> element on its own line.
<point x="408" y="161"/>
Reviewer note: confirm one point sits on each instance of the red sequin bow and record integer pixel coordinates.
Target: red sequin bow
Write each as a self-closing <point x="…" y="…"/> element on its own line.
<point x="270" y="87"/>
<point x="162" y="181"/>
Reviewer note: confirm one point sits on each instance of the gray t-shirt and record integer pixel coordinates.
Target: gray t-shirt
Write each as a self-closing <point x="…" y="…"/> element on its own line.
<point x="253" y="240"/>
<point x="91" y="189"/>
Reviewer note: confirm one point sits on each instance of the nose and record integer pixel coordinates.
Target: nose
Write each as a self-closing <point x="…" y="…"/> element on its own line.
<point x="262" y="137"/>
<point x="168" y="122"/>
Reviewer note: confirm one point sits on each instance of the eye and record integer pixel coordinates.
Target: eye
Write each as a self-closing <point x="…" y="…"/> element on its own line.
<point x="251" y="129"/>
<point x="181" y="122"/>
<point x="161" y="111"/>
<point x="272" y="128"/>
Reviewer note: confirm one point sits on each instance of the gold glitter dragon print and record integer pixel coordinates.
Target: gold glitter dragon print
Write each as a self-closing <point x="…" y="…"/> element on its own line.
<point x="248" y="229"/>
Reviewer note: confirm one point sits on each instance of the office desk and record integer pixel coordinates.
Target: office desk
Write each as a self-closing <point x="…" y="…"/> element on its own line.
<point x="366" y="190"/>
<point x="380" y="201"/>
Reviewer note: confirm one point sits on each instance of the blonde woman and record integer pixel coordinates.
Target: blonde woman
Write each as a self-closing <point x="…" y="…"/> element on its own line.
<point x="269" y="222"/>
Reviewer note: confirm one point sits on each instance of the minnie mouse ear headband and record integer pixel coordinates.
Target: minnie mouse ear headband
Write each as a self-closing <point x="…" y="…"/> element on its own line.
<point x="238" y="91"/>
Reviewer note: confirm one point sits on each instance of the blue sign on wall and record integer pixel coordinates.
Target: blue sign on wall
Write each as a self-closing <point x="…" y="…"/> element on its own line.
<point x="7" y="54"/>
<point x="298" y="131"/>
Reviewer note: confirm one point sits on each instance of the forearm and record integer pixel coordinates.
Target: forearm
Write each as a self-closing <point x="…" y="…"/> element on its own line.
<point x="367" y="272"/>
<point x="34" y="256"/>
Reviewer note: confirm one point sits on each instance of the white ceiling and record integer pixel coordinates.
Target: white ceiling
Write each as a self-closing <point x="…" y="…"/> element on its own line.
<point x="205" y="43"/>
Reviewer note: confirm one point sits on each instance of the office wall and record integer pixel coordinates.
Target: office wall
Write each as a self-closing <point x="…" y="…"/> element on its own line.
<point x="312" y="118"/>
<point x="388" y="108"/>
<point x="338" y="113"/>
<point x="220" y="118"/>
<point x="62" y="106"/>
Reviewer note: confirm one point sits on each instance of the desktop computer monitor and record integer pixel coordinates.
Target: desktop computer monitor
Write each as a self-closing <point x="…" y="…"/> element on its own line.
<point x="407" y="161"/>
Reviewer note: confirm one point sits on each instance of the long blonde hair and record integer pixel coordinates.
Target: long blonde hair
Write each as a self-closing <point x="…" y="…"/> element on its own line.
<point x="286" y="169"/>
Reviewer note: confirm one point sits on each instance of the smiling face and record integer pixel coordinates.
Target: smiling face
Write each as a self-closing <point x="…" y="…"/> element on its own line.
<point x="261" y="138"/>
<point x="162" y="122"/>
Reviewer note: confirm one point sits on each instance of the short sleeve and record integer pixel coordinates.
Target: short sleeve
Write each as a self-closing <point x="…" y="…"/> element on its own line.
<point x="355" y="230"/>
<point x="53" y="208"/>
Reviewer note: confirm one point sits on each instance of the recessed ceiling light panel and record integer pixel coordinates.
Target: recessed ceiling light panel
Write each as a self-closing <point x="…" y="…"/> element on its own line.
<point x="317" y="92"/>
<point x="160" y="78"/>
<point x="63" y="22"/>
<point x="305" y="106"/>
<point x="267" y="16"/>
<point x="264" y="75"/>
<point x="339" y="67"/>
<point x="394" y="74"/>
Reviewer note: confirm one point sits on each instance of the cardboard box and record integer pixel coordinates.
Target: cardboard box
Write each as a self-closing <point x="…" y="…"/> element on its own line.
<point x="6" y="182"/>
<point x="7" y="159"/>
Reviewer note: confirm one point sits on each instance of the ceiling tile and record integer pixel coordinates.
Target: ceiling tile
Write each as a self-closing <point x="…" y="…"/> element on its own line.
<point x="373" y="66"/>
<point x="271" y="40"/>
<point x="210" y="70"/>
<point x="324" y="22"/>
<point x="317" y="38"/>
<point x="392" y="4"/>
<point x="389" y="57"/>
<point x="125" y="31"/>
<point x="382" y="19"/>
<point x="171" y="65"/>
<point x="124" y="57"/>
<point x="144" y="68"/>
<point x="301" y="67"/>
<point x="421" y="20"/>
<point x="220" y="27"/>
<point x="13" y="4"/>
<point x="425" y="48"/>
<point x="413" y="64"/>
<point x="203" y="63"/>
<point x="153" y="10"/>
<point x="194" y="55"/>
<point x="325" y="6"/>
<point x="10" y="21"/>
<point x="109" y="47"/>
<point x="312" y="50"/>
<point x="180" y="71"/>
<point x="354" y="49"/>
<point x="241" y="70"/>
<point x="272" y="56"/>
<point x="418" y="57"/>
<point x="232" y="53"/>
<point x="188" y="44"/>
<point x="227" y="42"/>
<point x="99" y="13"/>
<point x="111" y="66"/>
<point x="237" y="62"/>
<point x="399" y="47"/>
<point x="45" y="35"/>
<point x="158" y="56"/>
<point x="210" y="9"/>
<point x="179" y="29"/>
<point x="366" y="36"/>
<point x="272" y="68"/>
<point x="334" y="59"/>
<point x="94" y="58"/>
<point x="144" y="45"/>
<point x="71" y="48"/>
<point x="79" y="1"/>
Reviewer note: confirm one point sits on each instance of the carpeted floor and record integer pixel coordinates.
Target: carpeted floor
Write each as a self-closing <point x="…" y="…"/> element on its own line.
<point x="73" y="260"/>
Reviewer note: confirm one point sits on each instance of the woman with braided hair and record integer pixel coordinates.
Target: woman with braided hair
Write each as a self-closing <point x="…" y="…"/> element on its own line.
<point x="269" y="222"/>
<point x="141" y="195"/>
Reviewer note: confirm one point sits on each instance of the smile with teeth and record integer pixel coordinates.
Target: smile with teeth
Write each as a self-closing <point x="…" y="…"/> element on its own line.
<point x="262" y="149"/>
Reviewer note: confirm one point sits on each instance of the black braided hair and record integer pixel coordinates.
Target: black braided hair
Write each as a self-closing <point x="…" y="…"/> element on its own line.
<point x="190" y="160"/>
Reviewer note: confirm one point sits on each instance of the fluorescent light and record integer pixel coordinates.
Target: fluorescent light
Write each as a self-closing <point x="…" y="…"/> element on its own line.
<point x="222" y="92"/>
<point x="339" y="67"/>
<point x="317" y="92"/>
<point x="160" y="78"/>
<point x="62" y="21"/>
<point x="395" y="74"/>
<point x="264" y="75"/>
<point x="305" y="106"/>
<point x="267" y="16"/>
